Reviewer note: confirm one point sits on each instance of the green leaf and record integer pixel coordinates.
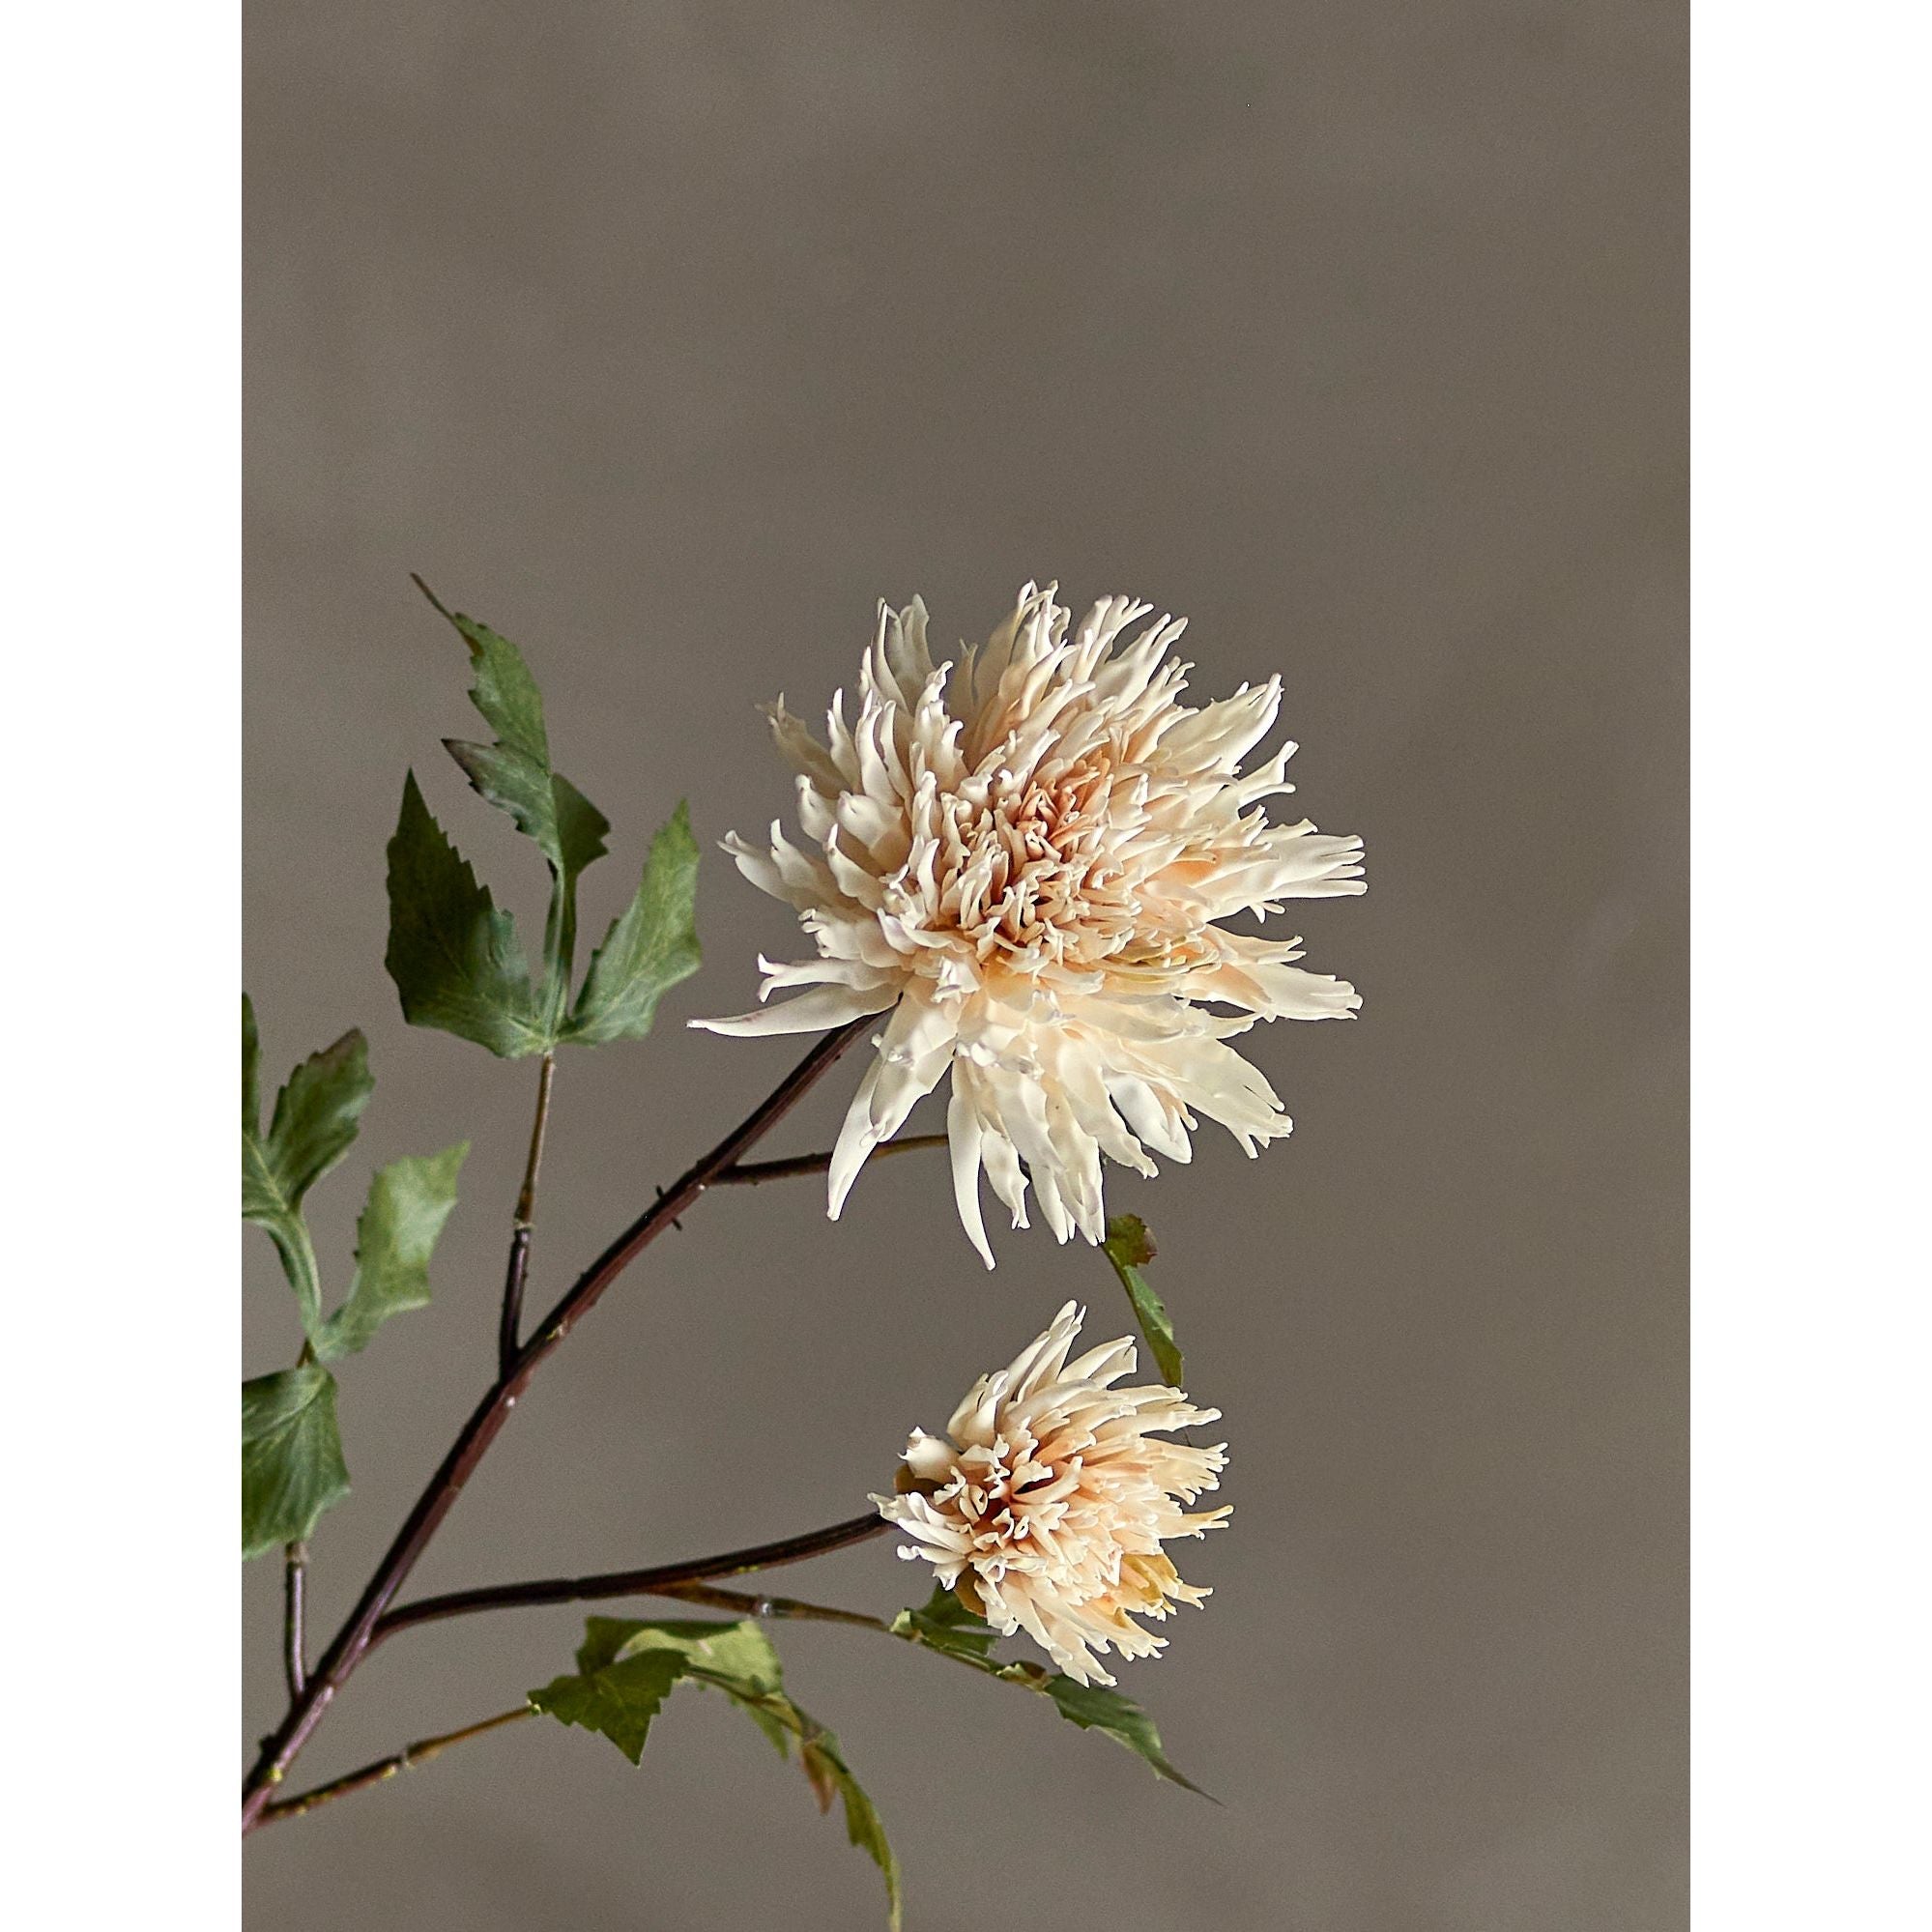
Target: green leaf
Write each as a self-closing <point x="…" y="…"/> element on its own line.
<point x="315" y="1122"/>
<point x="515" y="775"/>
<point x="827" y="1773"/>
<point x="944" y="1625"/>
<point x="740" y="1650"/>
<point x="652" y="945"/>
<point x="313" y="1125"/>
<point x="580" y="827"/>
<point x="616" y="1700"/>
<point x="453" y="957"/>
<point x="409" y="1202"/>
<point x="292" y="1465"/>
<point x="1095" y="1707"/>
<point x="1129" y="1247"/>
<point x="625" y="1670"/>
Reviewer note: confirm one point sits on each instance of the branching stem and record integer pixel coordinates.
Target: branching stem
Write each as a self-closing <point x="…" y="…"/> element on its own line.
<point x="741" y="1603"/>
<point x="384" y="1768"/>
<point x="664" y="1579"/>
<point x="748" y="1173"/>
<point x="786" y="1609"/>
<point x="352" y="1642"/>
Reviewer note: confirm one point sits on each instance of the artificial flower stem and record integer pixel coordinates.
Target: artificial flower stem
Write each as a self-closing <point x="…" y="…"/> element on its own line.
<point x="748" y="1173"/>
<point x="664" y="1579"/>
<point x="352" y="1642"/>
<point x="295" y="1571"/>
<point x="788" y="1609"/>
<point x="523" y="1226"/>
<point x="384" y="1768"/>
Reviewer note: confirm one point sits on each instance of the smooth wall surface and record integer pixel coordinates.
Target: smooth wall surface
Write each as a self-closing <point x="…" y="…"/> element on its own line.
<point x="667" y="338"/>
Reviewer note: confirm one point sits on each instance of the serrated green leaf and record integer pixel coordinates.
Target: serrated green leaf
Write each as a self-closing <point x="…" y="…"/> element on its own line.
<point x="515" y="774"/>
<point x="580" y="827"/>
<point x="740" y="1650"/>
<point x="1095" y="1707"/>
<point x="514" y="771"/>
<point x="396" y="1235"/>
<point x="652" y="945"/>
<point x="1129" y="1247"/>
<point x="292" y="1466"/>
<point x="313" y="1125"/>
<point x="547" y="807"/>
<point x="505" y="692"/>
<point x="943" y="1623"/>
<point x="454" y="956"/>
<point x="626" y="1668"/>
<point x="820" y="1756"/>
<point x="827" y="1770"/>
<point x="616" y="1700"/>
<point x="739" y="1653"/>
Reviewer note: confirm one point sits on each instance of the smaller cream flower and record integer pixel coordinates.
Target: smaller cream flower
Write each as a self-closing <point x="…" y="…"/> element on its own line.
<point x="1046" y="1503"/>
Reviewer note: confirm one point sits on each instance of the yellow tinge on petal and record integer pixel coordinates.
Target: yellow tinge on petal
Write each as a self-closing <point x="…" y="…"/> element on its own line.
<point x="1046" y="1504"/>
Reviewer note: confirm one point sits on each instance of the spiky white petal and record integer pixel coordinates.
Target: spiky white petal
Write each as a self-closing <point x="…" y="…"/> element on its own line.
<point x="1025" y="861"/>
<point x="1046" y="1503"/>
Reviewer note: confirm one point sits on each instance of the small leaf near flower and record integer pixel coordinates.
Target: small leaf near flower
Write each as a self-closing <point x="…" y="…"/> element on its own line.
<point x="627" y="1669"/>
<point x="292" y="1466"/>
<point x="652" y="945"/>
<point x="1095" y="1707"/>
<point x="618" y="1700"/>
<point x="941" y="1624"/>
<point x="1129" y="1247"/>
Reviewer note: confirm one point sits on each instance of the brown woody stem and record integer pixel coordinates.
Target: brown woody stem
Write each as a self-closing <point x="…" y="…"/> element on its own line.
<point x="384" y="1768"/>
<point x="352" y="1642"/>
<point x="523" y="1225"/>
<point x="663" y="1581"/>
<point x="295" y="1571"/>
<point x="748" y="1173"/>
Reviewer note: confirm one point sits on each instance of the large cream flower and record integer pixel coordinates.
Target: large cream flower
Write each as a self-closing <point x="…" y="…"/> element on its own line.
<point x="1046" y="1503"/>
<point x="1024" y="861"/>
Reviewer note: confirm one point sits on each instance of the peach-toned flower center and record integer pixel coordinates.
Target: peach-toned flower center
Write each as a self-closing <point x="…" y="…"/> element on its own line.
<point x="1027" y="863"/>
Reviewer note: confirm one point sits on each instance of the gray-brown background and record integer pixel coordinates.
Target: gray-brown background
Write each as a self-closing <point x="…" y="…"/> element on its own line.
<point x="668" y="336"/>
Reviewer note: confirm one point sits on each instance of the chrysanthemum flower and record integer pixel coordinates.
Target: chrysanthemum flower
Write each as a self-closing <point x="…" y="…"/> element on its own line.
<point x="1046" y="1503"/>
<point x="1024" y="861"/>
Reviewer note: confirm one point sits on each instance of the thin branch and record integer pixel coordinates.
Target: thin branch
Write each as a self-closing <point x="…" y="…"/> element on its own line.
<point x="352" y="1642"/>
<point x="523" y="1226"/>
<point x="384" y="1768"/>
<point x="788" y="1609"/>
<point x="742" y="1603"/>
<point x="662" y="1580"/>
<point x="295" y="1571"/>
<point x="748" y="1173"/>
